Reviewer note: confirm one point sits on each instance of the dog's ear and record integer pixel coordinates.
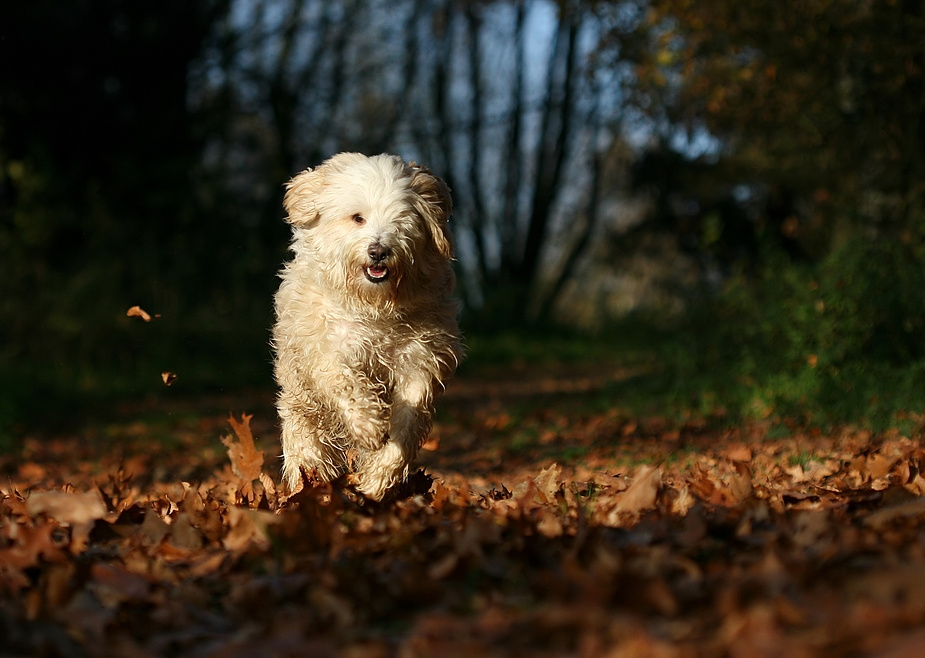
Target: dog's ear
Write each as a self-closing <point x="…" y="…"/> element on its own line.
<point x="435" y="205"/>
<point x="301" y="195"/>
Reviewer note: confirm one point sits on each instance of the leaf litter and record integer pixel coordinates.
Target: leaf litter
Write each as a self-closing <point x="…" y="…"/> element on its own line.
<point x="652" y="540"/>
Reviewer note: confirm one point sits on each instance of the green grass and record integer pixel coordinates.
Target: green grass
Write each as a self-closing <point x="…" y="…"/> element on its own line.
<point x="702" y="368"/>
<point x="698" y="370"/>
<point x="57" y="395"/>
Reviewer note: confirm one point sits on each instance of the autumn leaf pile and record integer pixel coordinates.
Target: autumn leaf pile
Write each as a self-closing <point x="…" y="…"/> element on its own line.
<point x="592" y="534"/>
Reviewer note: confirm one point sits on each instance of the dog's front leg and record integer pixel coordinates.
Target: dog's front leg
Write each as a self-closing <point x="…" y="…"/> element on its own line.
<point x="409" y="424"/>
<point x="360" y="402"/>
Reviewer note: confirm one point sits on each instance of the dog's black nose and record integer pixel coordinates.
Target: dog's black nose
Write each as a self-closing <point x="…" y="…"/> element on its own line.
<point x="378" y="252"/>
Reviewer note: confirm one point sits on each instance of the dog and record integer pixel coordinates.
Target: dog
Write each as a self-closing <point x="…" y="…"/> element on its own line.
<point x="366" y="335"/>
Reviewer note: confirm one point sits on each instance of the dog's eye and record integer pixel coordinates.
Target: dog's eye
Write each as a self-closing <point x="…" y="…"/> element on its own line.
<point x="358" y="218"/>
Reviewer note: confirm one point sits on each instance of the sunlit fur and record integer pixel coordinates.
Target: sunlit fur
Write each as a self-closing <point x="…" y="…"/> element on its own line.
<point x="361" y="355"/>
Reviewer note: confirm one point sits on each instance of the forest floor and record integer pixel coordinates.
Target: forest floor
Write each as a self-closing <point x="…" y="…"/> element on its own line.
<point x="544" y="520"/>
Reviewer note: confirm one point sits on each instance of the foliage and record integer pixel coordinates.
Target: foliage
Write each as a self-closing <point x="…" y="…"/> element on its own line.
<point x="723" y="543"/>
<point x="789" y="165"/>
<point x="98" y="152"/>
<point x="836" y="341"/>
<point x="821" y="95"/>
<point x="816" y="108"/>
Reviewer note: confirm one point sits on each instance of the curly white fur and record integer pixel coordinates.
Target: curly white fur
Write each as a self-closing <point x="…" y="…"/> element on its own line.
<point x="366" y="332"/>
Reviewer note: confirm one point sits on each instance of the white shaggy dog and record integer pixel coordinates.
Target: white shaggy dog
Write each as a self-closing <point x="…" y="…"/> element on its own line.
<point x="366" y="332"/>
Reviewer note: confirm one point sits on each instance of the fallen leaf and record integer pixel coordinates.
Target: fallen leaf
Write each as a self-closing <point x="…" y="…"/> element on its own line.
<point x="639" y="497"/>
<point x="739" y="453"/>
<point x="550" y="525"/>
<point x="183" y="535"/>
<point x="642" y="492"/>
<point x="113" y="584"/>
<point x="878" y="466"/>
<point x="69" y="508"/>
<point x="914" y="509"/>
<point x="248" y="528"/>
<point x="29" y="546"/>
<point x="549" y="481"/>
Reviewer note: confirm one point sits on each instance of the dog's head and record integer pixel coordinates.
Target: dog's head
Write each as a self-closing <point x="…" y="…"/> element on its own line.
<point x="377" y="226"/>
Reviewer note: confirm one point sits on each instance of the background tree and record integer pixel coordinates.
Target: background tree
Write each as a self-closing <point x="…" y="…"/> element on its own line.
<point x="768" y="150"/>
<point x="816" y="176"/>
<point x="504" y="99"/>
<point x="817" y="106"/>
<point x="97" y="152"/>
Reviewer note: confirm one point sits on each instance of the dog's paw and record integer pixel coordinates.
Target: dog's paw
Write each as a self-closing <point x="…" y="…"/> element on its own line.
<point x="381" y="470"/>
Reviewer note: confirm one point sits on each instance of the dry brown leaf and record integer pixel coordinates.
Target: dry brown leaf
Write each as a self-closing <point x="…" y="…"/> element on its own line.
<point x="550" y="525"/>
<point x="526" y="495"/>
<point x="68" y="508"/>
<point x="246" y="460"/>
<point x="138" y="312"/>
<point x="153" y="528"/>
<point x="740" y="484"/>
<point x="878" y="466"/>
<point x="908" y="644"/>
<point x="183" y="535"/>
<point x="810" y="527"/>
<point x="30" y="545"/>
<point x="728" y="490"/>
<point x="684" y="501"/>
<point x="248" y="528"/>
<point x="916" y="485"/>
<point x="913" y="509"/>
<point x="549" y="481"/>
<point x="113" y="584"/>
<point x="833" y="562"/>
<point x="812" y="471"/>
<point x="642" y="492"/>
<point x="739" y="453"/>
<point x="639" y="497"/>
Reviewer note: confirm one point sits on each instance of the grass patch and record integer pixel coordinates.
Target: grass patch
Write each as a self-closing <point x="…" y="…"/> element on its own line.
<point x="705" y="367"/>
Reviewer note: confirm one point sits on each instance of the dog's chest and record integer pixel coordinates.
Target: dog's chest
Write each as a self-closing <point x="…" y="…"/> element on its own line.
<point x="371" y="347"/>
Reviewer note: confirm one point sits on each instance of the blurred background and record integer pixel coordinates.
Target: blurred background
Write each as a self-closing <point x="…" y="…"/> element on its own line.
<point x="735" y="189"/>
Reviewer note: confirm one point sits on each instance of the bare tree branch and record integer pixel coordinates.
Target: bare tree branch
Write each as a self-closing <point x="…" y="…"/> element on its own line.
<point x="513" y="146"/>
<point x="474" y="133"/>
<point x="554" y="133"/>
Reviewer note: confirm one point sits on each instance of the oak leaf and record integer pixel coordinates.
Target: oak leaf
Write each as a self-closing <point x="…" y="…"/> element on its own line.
<point x="77" y="510"/>
<point x="67" y="508"/>
<point x="639" y="497"/>
<point x="248" y="528"/>
<point x="246" y="460"/>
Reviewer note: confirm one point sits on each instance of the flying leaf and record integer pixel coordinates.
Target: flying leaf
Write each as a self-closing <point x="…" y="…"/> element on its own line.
<point x="246" y="460"/>
<point x="138" y="312"/>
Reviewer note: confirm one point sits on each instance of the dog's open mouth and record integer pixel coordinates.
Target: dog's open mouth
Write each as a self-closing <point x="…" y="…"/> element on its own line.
<point x="377" y="273"/>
